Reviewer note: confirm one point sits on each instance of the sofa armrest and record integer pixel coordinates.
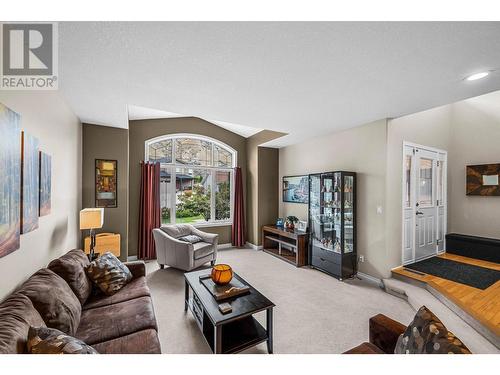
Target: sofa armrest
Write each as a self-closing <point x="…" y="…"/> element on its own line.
<point x="384" y="332"/>
<point x="138" y="268"/>
<point x="207" y="237"/>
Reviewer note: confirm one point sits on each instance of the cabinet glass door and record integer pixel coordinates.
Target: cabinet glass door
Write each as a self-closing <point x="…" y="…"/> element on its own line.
<point x="348" y="201"/>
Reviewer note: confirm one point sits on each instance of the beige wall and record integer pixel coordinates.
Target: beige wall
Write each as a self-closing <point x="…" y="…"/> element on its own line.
<point x="363" y="150"/>
<point x="46" y="116"/>
<point x="102" y="142"/>
<point x="142" y="130"/>
<point x="475" y="137"/>
<point x="428" y="128"/>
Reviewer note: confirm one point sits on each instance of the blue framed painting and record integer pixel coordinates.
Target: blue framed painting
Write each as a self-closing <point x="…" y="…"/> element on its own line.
<point x="30" y="182"/>
<point x="10" y="186"/>
<point x="296" y="189"/>
<point x="45" y="184"/>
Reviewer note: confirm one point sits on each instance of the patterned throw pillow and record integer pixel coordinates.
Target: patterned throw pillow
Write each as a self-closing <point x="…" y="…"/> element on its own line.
<point x="45" y="340"/>
<point x="192" y="238"/>
<point x="427" y="335"/>
<point x="108" y="273"/>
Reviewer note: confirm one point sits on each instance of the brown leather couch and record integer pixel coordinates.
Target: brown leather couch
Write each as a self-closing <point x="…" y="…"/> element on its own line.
<point x="61" y="296"/>
<point x="384" y="333"/>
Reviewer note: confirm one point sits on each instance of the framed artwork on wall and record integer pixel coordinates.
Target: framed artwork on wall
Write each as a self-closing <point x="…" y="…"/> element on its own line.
<point x="483" y="180"/>
<point x="45" y="165"/>
<point x="30" y="182"/>
<point x="10" y="177"/>
<point x="296" y="189"/>
<point x="106" y="183"/>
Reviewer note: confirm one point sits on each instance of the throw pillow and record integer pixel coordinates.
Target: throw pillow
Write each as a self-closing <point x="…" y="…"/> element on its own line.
<point x="52" y="341"/>
<point x="192" y="238"/>
<point x="426" y="334"/>
<point x="108" y="273"/>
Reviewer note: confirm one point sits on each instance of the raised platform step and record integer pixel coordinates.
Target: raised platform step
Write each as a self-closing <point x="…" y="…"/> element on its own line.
<point x="417" y="296"/>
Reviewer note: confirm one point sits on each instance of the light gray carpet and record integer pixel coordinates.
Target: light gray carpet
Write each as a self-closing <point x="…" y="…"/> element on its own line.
<point x="314" y="313"/>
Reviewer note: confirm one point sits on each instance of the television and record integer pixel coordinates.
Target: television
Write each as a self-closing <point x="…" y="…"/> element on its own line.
<point x="296" y="189"/>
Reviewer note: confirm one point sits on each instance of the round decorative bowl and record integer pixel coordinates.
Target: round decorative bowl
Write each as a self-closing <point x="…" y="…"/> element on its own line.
<point x="221" y="274"/>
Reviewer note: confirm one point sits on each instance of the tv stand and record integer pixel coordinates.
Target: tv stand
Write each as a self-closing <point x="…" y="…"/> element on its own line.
<point x="288" y="245"/>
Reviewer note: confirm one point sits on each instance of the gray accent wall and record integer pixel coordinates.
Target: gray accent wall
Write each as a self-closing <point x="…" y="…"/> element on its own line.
<point x="103" y="142"/>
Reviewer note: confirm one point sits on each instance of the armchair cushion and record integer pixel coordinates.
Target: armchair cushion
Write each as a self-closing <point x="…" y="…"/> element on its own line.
<point x="178" y="230"/>
<point x="191" y="238"/>
<point x="202" y="249"/>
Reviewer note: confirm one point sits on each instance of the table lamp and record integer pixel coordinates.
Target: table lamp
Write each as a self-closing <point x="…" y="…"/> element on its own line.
<point x="91" y="218"/>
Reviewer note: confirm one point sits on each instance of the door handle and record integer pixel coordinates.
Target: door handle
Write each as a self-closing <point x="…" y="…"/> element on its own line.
<point x="419" y="213"/>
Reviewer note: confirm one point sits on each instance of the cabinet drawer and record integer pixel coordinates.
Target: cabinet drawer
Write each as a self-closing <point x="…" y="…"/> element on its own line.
<point x="326" y="265"/>
<point x="325" y="254"/>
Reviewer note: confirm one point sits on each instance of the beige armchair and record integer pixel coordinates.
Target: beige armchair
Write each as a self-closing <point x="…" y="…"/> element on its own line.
<point x="180" y="254"/>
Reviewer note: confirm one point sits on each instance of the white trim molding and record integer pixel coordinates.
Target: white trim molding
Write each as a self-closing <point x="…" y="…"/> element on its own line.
<point x="371" y="279"/>
<point x="253" y="247"/>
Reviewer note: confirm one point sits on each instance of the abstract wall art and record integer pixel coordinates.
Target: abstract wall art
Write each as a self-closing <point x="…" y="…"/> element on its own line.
<point x="45" y="183"/>
<point x="30" y="184"/>
<point x="483" y="180"/>
<point x="10" y="187"/>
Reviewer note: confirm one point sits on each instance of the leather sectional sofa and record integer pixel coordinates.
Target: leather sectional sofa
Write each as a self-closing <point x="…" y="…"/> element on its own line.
<point x="61" y="296"/>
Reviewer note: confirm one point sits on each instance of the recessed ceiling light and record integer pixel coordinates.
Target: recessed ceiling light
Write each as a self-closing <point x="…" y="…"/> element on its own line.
<point x="476" y="76"/>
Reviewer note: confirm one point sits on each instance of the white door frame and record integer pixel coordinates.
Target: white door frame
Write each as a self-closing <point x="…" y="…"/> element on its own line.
<point x="441" y="205"/>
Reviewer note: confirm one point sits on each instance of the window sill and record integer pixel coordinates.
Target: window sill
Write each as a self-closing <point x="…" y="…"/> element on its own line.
<point x="213" y="224"/>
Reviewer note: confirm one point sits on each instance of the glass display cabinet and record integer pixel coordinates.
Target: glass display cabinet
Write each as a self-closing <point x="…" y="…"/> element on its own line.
<point x="332" y="218"/>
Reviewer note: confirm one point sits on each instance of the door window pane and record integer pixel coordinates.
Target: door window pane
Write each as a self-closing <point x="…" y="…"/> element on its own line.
<point x="425" y="184"/>
<point x="407" y="181"/>
<point x="440" y="183"/>
<point x="192" y="151"/>
<point x="192" y="188"/>
<point x="161" y="151"/>
<point x="222" y="195"/>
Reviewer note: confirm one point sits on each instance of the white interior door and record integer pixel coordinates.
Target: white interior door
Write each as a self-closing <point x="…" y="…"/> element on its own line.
<point x="424" y="202"/>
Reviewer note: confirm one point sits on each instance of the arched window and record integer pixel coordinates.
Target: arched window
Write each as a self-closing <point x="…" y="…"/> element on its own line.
<point x="196" y="178"/>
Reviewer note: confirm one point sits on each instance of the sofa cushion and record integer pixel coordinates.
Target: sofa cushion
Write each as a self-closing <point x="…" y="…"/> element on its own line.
<point x="17" y="314"/>
<point x="54" y="300"/>
<point x="177" y="230"/>
<point x="365" y="348"/>
<point x="142" y="342"/>
<point x="109" y="273"/>
<point x="134" y="289"/>
<point x="110" y="322"/>
<point x="71" y="267"/>
<point x="202" y="249"/>
<point x="43" y="340"/>
<point x="427" y="335"/>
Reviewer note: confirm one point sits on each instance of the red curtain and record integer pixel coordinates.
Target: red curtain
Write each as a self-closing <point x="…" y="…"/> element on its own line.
<point x="149" y="214"/>
<point x="238" y="230"/>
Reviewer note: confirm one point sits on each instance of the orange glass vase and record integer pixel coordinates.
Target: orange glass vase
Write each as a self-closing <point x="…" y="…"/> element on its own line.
<point x="221" y="274"/>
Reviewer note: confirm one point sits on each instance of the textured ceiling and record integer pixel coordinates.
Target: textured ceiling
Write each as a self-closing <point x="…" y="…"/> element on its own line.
<point x="304" y="79"/>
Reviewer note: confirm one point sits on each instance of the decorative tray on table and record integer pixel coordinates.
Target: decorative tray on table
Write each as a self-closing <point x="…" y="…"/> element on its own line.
<point x="220" y="292"/>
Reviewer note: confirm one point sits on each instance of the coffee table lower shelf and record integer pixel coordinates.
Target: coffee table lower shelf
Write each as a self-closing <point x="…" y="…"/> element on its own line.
<point x="236" y="336"/>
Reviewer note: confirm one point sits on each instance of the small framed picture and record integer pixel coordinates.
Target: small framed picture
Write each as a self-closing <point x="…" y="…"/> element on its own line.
<point x="302" y="226"/>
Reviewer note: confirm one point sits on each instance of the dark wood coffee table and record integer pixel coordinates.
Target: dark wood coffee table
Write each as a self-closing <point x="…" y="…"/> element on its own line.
<point x="232" y="332"/>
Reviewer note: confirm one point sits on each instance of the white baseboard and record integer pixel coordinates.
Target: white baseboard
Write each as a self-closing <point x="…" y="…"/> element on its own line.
<point x="132" y="258"/>
<point x="252" y="246"/>
<point x="372" y="279"/>
<point x="224" y="246"/>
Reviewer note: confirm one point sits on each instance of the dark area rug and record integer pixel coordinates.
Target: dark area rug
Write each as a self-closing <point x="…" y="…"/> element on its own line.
<point x="474" y="276"/>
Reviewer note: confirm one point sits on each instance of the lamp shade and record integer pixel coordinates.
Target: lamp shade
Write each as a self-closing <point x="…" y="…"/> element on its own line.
<point x="91" y="218"/>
